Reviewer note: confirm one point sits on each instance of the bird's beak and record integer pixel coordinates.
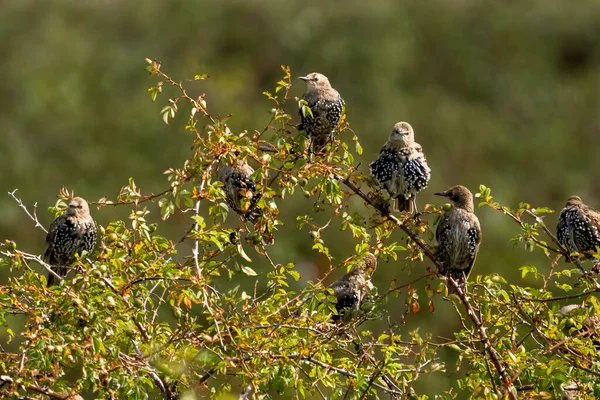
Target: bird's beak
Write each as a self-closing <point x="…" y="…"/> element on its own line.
<point x="444" y="194"/>
<point x="304" y="78"/>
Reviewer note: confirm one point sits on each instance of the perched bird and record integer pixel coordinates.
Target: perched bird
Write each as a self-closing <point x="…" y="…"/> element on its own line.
<point x="401" y="167"/>
<point x="577" y="227"/>
<point x="240" y="189"/>
<point x="458" y="235"/>
<point x="350" y="289"/>
<point x="590" y="326"/>
<point x="71" y="233"/>
<point x="577" y="327"/>
<point x="327" y="108"/>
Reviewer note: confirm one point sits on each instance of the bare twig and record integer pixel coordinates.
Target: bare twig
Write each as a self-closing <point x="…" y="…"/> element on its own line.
<point x="245" y="393"/>
<point x="33" y="216"/>
<point x="32" y="257"/>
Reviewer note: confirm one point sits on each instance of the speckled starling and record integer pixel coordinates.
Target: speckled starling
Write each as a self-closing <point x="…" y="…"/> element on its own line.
<point x="402" y="168"/>
<point x="577" y="227"/>
<point x="590" y="326"/>
<point x="458" y="235"/>
<point x="71" y="233"/>
<point x="240" y="189"/>
<point x="577" y="325"/>
<point x="350" y="290"/>
<point x="327" y="108"/>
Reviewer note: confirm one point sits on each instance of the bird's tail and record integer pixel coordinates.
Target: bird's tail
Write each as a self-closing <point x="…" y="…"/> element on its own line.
<point x="404" y="205"/>
<point x="253" y="213"/>
<point x="60" y="271"/>
<point x="319" y="143"/>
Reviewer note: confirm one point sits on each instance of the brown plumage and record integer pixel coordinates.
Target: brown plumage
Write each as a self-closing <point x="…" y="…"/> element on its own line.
<point x="71" y="233"/>
<point x="458" y="235"/>
<point x="240" y="189"/>
<point x="327" y="108"/>
<point x="401" y="167"/>
<point x="350" y="289"/>
<point x="577" y="227"/>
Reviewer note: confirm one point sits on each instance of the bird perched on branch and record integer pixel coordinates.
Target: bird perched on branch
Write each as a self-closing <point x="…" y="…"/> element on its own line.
<point x="350" y="289"/>
<point x="401" y="167"/>
<point x="591" y="324"/>
<point x="582" y="322"/>
<point x="458" y="235"/>
<point x="577" y="227"/>
<point x="324" y="112"/>
<point x="240" y="189"/>
<point x="71" y="233"/>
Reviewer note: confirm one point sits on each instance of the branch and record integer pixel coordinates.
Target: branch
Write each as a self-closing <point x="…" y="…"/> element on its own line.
<point x="562" y="251"/>
<point x="34" y="216"/>
<point x="32" y="257"/>
<point x="41" y="389"/>
<point x="491" y="351"/>
<point x="142" y="199"/>
<point x="245" y="393"/>
<point x="392" y="218"/>
<point x="164" y="389"/>
<point x="321" y="364"/>
<point x="551" y="348"/>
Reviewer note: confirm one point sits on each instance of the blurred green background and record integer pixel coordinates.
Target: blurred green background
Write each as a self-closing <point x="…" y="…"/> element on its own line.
<point x="501" y="93"/>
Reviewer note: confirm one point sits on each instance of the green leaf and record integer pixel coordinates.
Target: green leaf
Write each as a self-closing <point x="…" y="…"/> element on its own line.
<point x="248" y="271"/>
<point x="241" y="252"/>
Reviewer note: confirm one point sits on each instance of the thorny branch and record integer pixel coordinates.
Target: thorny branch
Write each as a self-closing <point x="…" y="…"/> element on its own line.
<point x="34" y="216"/>
<point x="561" y="250"/>
<point x="490" y="350"/>
<point x="526" y="319"/>
<point x="32" y="257"/>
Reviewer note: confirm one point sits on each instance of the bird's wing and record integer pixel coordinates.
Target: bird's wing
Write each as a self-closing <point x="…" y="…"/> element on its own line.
<point x="442" y="230"/>
<point x="416" y="173"/>
<point x="51" y="239"/>
<point x="594" y="215"/>
<point x="344" y="293"/>
<point x="386" y="165"/>
<point x="60" y="229"/>
<point x="562" y="228"/>
<point x="474" y="239"/>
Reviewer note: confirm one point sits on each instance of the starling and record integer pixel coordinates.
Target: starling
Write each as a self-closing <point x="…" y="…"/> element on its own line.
<point x="589" y="327"/>
<point x="71" y="233"/>
<point x="577" y="227"/>
<point x="350" y="289"/>
<point x="327" y="108"/>
<point x="401" y="167"/>
<point x="576" y="327"/>
<point x="240" y="189"/>
<point x="458" y="235"/>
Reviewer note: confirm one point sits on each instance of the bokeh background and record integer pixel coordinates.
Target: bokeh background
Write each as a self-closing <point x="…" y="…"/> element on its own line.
<point x="501" y="93"/>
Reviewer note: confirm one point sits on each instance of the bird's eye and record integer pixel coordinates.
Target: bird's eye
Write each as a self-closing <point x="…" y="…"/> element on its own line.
<point x="316" y="79"/>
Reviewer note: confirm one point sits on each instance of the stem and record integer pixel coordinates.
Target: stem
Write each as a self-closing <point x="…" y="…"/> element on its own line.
<point x="508" y="387"/>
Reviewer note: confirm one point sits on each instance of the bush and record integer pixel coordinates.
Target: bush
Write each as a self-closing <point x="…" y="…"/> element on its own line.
<point x="143" y="317"/>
